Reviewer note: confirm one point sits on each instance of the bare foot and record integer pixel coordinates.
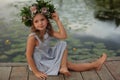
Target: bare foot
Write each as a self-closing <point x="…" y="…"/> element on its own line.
<point x="100" y="61"/>
<point x="65" y="71"/>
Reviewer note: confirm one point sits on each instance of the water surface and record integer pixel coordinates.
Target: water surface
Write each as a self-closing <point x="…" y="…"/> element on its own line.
<point x="87" y="36"/>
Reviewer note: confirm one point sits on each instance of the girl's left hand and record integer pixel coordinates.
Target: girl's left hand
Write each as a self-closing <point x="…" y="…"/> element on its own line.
<point x="55" y="16"/>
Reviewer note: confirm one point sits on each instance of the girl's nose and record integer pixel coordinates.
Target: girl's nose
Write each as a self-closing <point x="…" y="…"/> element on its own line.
<point x="40" y="22"/>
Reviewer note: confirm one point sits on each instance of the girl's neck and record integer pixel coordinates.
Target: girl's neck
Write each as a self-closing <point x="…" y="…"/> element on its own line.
<point x="43" y="32"/>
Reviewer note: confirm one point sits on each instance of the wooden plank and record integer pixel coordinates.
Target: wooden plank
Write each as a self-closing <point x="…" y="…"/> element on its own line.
<point x="74" y="76"/>
<point x="12" y="64"/>
<point x="33" y="77"/>
<point x="105" y="74"/>
<point x="59" y="77"/>
<point x="90" y="75"/>
<point x="19" y="73"/>
<point x="114" y="68"/>
<point x="5" y="73"/>
<point x="114" y="58"/>
<point x="25" y="64"/>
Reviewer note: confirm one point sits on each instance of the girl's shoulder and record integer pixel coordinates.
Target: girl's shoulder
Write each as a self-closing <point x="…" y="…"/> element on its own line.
<point x="31" y="34"/>
<point x="31" y="37"/>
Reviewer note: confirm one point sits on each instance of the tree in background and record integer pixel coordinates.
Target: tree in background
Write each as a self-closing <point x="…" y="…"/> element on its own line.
<point x="108" y="10"/>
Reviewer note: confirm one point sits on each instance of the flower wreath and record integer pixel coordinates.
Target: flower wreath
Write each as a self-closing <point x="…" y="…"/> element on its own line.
<point x="40" y="6"/>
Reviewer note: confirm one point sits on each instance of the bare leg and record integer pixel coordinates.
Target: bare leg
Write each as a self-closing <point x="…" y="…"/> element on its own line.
<point x="87" y="66"/>
<point x="63" y="66"/>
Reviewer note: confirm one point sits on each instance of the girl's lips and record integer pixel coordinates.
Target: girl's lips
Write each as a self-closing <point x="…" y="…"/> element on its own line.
<point x="40" y="27"/>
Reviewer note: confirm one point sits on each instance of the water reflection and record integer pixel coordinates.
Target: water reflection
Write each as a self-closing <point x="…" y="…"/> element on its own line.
<point x="92" y="35"/>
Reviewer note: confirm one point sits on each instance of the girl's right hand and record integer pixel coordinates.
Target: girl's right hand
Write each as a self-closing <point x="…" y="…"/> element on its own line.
<point x="41" y="75"/>
<point x="55" y="16"/>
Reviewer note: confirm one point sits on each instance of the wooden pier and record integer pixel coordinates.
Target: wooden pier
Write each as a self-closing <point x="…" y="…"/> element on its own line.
<point x="20" y="71"/>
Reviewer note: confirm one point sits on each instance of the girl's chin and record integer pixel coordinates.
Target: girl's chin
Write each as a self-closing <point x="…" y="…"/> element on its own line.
<point x="40" y="28"/>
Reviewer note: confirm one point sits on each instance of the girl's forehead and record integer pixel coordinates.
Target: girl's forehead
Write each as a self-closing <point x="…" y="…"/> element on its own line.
<point x="39" y="16"/>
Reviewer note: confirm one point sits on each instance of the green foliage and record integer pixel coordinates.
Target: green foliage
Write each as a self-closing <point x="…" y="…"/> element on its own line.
<point x="42" y="3"/>
<point x="27" y="13"/>
<point x="108" y="10"/>
<point x="19" y="58"/>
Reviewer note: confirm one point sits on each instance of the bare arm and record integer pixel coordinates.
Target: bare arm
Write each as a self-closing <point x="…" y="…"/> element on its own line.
<point x="61" y="34"/>
<point x="29" y="54"/>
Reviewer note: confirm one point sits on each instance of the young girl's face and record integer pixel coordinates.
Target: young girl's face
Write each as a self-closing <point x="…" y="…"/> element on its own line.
<point x="40" y="22"/>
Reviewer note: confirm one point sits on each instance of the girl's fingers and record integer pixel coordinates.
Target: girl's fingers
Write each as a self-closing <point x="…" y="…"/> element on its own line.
<point x="43" y="76"/>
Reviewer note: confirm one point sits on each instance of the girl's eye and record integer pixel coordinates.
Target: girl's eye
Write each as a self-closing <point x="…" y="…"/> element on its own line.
<point x="36" y="21"/>
<point x="42" y="19"/>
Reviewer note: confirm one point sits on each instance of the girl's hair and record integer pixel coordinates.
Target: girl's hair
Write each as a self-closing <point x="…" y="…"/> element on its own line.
<point x="49" y="29"/>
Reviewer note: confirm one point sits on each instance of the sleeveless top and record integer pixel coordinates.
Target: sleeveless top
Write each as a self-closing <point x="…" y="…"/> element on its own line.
<point x="48" y="58"/>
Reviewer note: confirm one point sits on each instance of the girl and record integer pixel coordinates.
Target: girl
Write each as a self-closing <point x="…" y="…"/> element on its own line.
<point x="45" y="60"/>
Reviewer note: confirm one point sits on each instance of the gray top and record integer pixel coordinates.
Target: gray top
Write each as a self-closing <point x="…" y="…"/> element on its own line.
<point x="48" y="58"/>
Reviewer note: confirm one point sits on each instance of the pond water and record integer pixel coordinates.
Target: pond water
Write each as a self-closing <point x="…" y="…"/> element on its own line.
<point x="87" y="36"/>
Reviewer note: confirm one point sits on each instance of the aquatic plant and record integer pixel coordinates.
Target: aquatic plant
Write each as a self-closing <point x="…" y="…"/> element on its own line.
<point x="108" y="10"/>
